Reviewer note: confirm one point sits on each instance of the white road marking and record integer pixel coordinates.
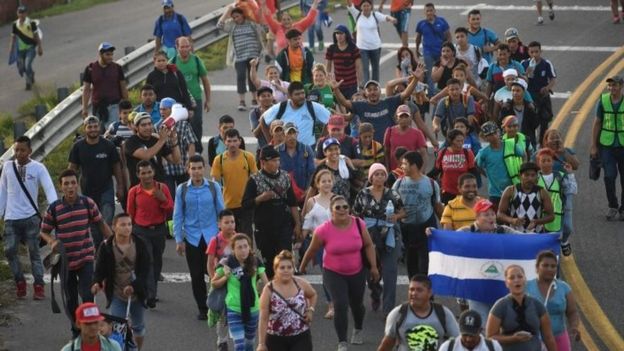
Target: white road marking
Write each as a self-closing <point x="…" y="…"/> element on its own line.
<point x="511" y="7"/>
<point x="477" y="6"/>
<point x="386" y="57"/>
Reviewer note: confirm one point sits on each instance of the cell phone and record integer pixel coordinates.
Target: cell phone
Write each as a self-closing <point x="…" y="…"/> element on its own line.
<point x="524" y="333"/>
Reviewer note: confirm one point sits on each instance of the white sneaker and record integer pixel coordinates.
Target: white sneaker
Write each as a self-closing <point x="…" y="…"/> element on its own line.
<point x="540" y="20"/>
<point x="342" y="346"/>
<point x="356" y="338"/>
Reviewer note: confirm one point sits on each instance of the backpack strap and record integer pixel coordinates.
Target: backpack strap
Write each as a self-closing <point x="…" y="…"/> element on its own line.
<point x="489" y="344"/>
<point x="310" y="106"/>
<point x="281" y="110"/>
<point x="433" y="194"/>
<point x="402" y="316"/>
<point x="451" y="344"/>
<point x="441" y="314"/>
<point x="183" y="197"/>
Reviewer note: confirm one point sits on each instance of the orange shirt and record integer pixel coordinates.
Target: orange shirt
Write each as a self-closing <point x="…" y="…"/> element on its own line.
<point x="295" y="58"/>
<point x="398" y="5"/>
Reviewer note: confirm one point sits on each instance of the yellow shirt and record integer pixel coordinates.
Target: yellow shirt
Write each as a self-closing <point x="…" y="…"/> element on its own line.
<point x="295" y="57"/>
<point x="457" y="214"/>
<point x="233" y="174"/>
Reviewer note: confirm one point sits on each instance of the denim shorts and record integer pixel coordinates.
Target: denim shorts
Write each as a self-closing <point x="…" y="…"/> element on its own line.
<point x="403" y="19"/>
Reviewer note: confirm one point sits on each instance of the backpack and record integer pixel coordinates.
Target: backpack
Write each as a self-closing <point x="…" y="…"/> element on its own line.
<point x="282" y="109"/>
<point x="437" y="309"/>
<point x="179" y="18"/>
<point x="447" y="103"/>
<point x="488" y="343"/>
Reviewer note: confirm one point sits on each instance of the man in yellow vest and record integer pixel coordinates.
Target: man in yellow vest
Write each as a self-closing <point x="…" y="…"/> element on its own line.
<point x="608" y="141"/>
<point x="25" y="34"/>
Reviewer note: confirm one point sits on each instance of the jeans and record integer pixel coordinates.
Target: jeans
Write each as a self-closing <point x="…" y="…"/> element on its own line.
<point x="316" y="27"/>
<point x="79" y="282"/>
<point x="482" y="308"/>
<point x="387" y="262"/>
<point x="370" y="58"/>
<point x="243" y="334"/>
<point x="429" y="62"/>
<point x="197" y="124"/>
<point x="23" y="230"/>
<point x="108" y="114"/>
<point x="346" y="291"/>
<point x="196" y="260"/>
<point x="612" y="160"/>
<point x="25" y="59"/>
<point x="403" y="18"/>
<point x="118" y="309"/>
<point x="106" y="205"/>
<point x="155" y="240"/>
<point x="243" y="76"/>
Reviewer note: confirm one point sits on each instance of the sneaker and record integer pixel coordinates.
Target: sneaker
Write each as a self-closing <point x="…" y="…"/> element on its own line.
<point x="28" y="86"/>
<point x="20" y="289"/>
<point x="342" y="346"/>
<point x="321" y="45"/>
<point x="356" y="338"/>
<point x="254" y="103"/>
<point x="329" y="314"/>
<point x="161" y="278"/>
<point x="222" y="346"/>
<point x="566" y="248"/>
<point x="151" y="302"/>
<point x="611" y="214"/>
<point x="540" y="20"/>
<point x="551" y="14"/>
<point x="328" y="22"/>
<point x="38" y="292"/>
<point x="202" y="315"/>
<point x="242" y="106"/>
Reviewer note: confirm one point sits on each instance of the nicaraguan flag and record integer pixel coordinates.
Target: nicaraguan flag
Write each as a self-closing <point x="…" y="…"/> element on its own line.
<point x="472" y="265"/>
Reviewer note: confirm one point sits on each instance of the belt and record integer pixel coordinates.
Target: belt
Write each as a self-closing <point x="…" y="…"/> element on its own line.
<point x="150" y="227"/>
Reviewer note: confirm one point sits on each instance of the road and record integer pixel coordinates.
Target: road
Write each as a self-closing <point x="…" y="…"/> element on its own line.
<point x="577" y="42"/>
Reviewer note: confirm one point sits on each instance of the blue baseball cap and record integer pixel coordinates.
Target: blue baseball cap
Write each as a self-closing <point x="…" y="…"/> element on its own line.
<point x="329" y="142"/>
<point x="167" y="102"/>
<point x="106" y="46"/>
<point x="167" y="3"/>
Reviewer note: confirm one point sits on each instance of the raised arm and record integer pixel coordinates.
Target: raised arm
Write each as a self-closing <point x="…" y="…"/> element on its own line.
<point x="338" y="95"/>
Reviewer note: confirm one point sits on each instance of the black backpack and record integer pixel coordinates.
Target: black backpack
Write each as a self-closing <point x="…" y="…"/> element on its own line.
<point x="309" y="105"/>
<point x="437" y="309"/>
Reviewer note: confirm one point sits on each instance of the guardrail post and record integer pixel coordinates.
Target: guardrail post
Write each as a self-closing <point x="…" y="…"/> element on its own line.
<point x="62" y="93"/>
<point x="19" y="129"/>
<point x="40" y="111"/>
<point x="129" y="49"/>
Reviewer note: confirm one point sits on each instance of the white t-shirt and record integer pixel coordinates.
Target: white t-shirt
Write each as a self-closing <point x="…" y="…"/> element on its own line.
<point x="367" y="29"/>
<point x="459" y="347"/>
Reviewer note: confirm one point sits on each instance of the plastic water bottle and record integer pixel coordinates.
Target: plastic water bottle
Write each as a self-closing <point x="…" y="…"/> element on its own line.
<point x="389" y="211"/>
<point x="532" y="65"/>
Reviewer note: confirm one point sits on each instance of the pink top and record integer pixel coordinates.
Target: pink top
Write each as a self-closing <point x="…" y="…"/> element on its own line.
<point x="280" y="32"/>
<point x="412" y="139"/>
<point x="342" y="247"/>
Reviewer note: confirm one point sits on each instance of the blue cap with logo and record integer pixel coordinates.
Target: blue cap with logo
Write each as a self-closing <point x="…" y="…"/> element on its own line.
<point x="106" y="46"/>
<point x="167" y="102"/>
<point x="167" y="3"/>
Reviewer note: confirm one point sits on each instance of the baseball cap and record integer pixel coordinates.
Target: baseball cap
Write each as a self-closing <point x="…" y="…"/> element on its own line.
<point x="481" y="206"/>
<point x="276" y="124"/>
<point x="329" y="142"/>
<point x="470" y="323"/>
<point x="511" y="33"/>
<point x="489" y="128"/>
<point x="106" y="46"/>
<point x="167" y="102"/>
<point x="511" y="119"/>
<point x="268" y="153"/>
<point x="91" y="119"/>
<point x="529" y="166"/>
<point x="88" y="312"/>
<point x="510" y="72"/>
<point x="263" y="90"/>
<point x="403" y="109"/>
<point x="520" y="82"/>
<point x="141" y="116"/>
<point x="372" y="82"/>
<point x="167" y="3"/>
<point x="615" y="79"/>
<point x="336" y="122"/>
<point x="22" y="9"/>
<point x="290" y="126"/>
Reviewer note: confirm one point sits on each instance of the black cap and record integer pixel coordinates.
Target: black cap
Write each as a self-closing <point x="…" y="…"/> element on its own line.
<point x="268" y="153"/>
<point x="470" y="323"/>
<point x="264" y="89"/>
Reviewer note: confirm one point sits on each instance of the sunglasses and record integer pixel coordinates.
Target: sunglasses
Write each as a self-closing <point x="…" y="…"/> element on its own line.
<point x="341" y="207"/>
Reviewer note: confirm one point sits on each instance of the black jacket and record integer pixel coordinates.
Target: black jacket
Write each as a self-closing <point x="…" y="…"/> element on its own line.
<point x="170" y="84"/>
<point x="105" y="268"/>
<point x="530" y="120"/>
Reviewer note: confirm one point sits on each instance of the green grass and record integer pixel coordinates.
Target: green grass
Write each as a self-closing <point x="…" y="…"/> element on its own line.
<point x="74" y="5"/>
<point x="214" y="55"/>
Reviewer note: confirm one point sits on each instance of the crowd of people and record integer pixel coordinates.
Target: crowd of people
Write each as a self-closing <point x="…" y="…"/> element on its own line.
<point x="343" y="178"/>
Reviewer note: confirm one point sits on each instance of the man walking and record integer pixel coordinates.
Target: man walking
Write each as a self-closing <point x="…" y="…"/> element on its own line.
<point x="431" y="32"/>
<point x="25" y="34"/>
<point x="98" y="160"/>
<point x="105" y="84"/>
<point x="149" y="205"/>
<point x="168" y="27"/>
<point x="194" y="71"/>
<point x="607" y="142"/>
<point x="70" y="218"/>
<point x="195" y="222"/>
<point x="295" y="61"/>
<point x="19" y="187"/>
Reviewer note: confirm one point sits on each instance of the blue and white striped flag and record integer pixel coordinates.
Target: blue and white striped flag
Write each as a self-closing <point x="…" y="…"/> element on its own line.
<point x="472" y="265"/>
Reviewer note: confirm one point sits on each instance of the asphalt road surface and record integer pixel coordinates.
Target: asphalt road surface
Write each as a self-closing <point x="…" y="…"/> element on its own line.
<point x="577" y="42"/>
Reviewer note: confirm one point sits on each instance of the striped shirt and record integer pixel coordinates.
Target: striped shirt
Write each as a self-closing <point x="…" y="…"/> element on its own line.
<point x="344" y="63"/>
<point x="457" y="214"/>
<point x="246" y="45"/>
<point x="186" y="137"/>
<point x="71" y="224"/>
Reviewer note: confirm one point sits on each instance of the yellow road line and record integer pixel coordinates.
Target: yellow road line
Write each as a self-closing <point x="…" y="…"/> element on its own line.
<point x="578" y="92"/>
<point x="586" y="339"/>
<point x="586" y="301"/>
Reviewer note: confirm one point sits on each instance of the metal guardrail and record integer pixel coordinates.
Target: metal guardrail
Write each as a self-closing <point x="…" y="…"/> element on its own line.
<point x="58" y="124"/>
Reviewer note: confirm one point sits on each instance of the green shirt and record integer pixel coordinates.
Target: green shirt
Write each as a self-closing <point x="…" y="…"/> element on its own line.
<point x="325" y="95"/>
<point x="233" y="298"/>
<point x="193" y="69"/>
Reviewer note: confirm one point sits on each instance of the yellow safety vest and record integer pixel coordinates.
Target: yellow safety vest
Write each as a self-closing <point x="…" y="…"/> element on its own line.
<point x="556" y="197"/>
<point x="512" y="160"/>
<point x="612" y="122"/>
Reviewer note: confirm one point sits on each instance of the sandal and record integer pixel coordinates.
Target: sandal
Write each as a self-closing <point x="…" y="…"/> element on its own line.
<point x="329" y="314"/>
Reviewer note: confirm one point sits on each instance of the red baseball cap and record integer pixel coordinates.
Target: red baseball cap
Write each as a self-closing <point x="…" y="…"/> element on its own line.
<point x="482" y="205"/>
<point x="336" y="122"/>
<point x="88" y="312"/>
